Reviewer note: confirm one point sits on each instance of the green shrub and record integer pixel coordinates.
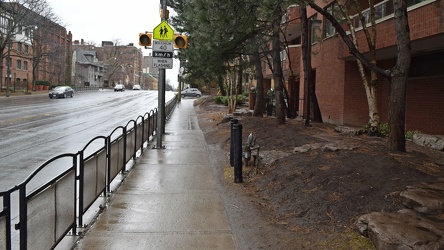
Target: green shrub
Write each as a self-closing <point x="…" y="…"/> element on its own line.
<point x="384" y="129"/>
<point x="43" y="82"/>
<point x="409" y="134"/>
<point x="220" y="100"/>
<point x="241" y="99"/>
<point x="224" y="99"/>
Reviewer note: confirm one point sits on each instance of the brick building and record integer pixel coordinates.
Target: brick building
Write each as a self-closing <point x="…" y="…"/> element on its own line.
<point x="39" y="49"/>
<point x="113" y="63"/>
<point x="338" y="86"/>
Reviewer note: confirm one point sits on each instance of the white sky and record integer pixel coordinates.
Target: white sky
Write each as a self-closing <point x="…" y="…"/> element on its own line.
<point x="110" y="20"/>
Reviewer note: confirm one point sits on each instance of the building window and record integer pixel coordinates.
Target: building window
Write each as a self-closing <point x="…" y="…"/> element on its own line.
<point x="25" y="65"/>
<point x="19" y="46"/>
<point x="315" y="32"/>
<point x="19" y="64"/>
<point x="383" y="10"/>
<point x="26" y="49"/>
<point x="329" y="30"/>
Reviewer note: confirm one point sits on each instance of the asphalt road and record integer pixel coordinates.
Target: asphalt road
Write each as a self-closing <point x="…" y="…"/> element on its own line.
<point x="34" y="128"/>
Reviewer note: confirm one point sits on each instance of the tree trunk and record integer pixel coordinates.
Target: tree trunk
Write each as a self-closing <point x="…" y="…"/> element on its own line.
<point x="220" y="82"/>
<point x="240" y="70"/>
<point x="370" y="35"/>
<point x="305" y="61"/>
<point x="397" y="104"/>
<point x="396" y="140"/>
<point x="277" y="68"/>
<point x="259" y="107"/>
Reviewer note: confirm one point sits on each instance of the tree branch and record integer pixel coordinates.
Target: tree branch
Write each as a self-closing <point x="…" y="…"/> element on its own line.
<point x="352" y="48"/>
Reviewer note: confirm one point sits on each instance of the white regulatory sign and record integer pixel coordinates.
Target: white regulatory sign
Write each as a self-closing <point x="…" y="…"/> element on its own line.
<point x="165" y="46"/>
<point x="162" y="63"/>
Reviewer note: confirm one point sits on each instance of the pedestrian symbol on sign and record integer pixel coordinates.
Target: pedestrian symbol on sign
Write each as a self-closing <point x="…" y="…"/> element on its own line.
<point x="163" y="31"/>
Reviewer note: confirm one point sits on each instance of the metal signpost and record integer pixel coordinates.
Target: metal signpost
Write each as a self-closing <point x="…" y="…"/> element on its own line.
<point x="163" y="41"/>
<point x="163" y="36"/>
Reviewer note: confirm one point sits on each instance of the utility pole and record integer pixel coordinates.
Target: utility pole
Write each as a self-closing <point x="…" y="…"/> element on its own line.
<point x="161" y="92"/>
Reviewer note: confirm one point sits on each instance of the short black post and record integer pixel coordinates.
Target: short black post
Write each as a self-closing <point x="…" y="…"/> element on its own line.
<point x="233" y="121"/>
<point x="237" y="129"/>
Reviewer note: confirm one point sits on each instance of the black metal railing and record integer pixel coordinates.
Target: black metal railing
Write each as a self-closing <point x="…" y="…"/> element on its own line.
<point x="50" y="210"/>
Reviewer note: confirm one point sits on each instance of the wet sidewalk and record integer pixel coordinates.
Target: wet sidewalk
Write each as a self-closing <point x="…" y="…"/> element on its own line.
<point x="169" y="199"/>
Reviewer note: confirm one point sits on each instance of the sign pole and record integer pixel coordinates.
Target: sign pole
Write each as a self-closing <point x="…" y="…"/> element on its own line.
<point x="161" y="94"/>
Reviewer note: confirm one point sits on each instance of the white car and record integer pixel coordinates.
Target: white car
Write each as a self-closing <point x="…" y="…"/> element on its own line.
<point x="119" y="87"/>
<point x="137" y="87"/>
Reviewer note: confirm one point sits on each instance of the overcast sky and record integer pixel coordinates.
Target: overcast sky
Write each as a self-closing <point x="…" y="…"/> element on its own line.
<point x="110" y="20"/>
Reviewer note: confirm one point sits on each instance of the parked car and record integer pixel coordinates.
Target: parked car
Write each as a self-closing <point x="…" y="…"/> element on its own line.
<point x="191" y="92"/>
<point x="137" y="87"/>
<point x="119" y="87"/>
<point x="61" y="91"/>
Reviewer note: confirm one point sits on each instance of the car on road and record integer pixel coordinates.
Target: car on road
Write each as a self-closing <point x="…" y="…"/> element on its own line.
<point x="191" y="92"/>
<point x="61" y="92"/>
<point x="137" y="87"/>
<point x="119" y="87"/>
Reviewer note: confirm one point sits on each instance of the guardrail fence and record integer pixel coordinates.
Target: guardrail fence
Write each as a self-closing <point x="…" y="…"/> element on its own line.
<point x="48" y="211"/>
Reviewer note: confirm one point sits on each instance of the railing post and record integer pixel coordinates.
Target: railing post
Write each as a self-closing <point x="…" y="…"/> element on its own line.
<point x="81" y="178"/>
<point x="124" y="151"/>
<point x="74" y="227"/>
<point x="23" y="218"/>
<point x="135" y="140"/>
<point x="108" y="165"/>
<point x="237" y="153"/>
<point x="7" y="207"/>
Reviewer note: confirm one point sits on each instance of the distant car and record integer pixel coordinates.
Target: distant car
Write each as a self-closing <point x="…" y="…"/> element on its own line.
<point x="137" y="87"/>
<point x="119" y="87"/>
<point x="191" y="92"/>
<point x="61" y="91"/>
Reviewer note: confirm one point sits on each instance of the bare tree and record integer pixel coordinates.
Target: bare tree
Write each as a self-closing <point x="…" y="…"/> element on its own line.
<point x="370" y="84"/>
<point x="17" y="15"/>
<point x="112" y="58"/>
<point x="397" y="75"/>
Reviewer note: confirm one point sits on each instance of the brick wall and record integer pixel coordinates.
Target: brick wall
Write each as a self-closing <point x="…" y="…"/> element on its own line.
<point x="330" y="77"/>
<point x="356" y="105"/>
<point x="425" y="21"/>
<point x="341" y="94"/>
<point x="425" y="105"/>
<point x="425" y="102"/>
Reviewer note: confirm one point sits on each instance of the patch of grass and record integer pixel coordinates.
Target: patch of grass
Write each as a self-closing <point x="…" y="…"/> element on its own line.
<point x="348" y="240"/>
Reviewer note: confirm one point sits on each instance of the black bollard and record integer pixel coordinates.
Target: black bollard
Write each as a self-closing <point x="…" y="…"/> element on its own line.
<point x="237" y="152"/>
<point x="233" y="121"/>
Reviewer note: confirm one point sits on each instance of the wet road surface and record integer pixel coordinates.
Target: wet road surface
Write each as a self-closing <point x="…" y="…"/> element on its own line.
<point x="34" y="128"/>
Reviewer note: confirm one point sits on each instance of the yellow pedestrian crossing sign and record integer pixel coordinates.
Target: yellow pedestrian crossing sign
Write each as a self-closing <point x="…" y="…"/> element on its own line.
<point x="163" y="31"/>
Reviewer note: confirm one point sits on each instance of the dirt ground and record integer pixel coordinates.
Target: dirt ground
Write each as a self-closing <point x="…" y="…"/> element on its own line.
<point x="309" y="200"/>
